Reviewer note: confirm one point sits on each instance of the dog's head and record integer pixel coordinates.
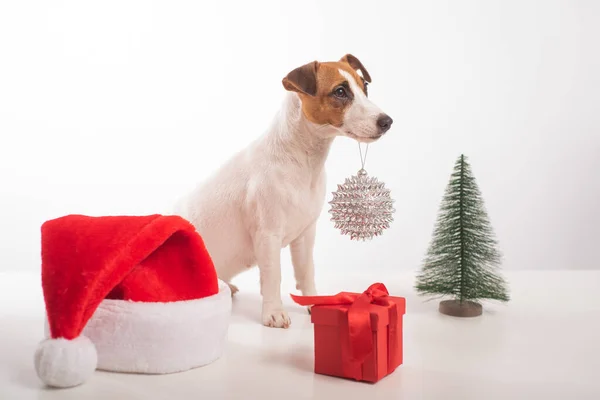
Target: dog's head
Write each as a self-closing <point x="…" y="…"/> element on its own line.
<point x="333" y="93"/>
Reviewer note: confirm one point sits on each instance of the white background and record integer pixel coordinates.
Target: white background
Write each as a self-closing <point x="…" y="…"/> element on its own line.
<point x="121" y="107"/>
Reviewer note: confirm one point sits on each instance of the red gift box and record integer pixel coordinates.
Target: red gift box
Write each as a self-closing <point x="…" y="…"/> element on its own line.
<point x="357" y="335"/>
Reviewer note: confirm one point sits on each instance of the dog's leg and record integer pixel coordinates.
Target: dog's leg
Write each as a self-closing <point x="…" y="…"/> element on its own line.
<point x="234" y="289"/>
<point x="226" y="274"/>
<point x="268" y="256"/>
<point x="301" y="251"/>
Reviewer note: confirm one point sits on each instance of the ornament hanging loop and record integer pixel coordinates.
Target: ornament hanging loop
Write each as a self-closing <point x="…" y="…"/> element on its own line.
<point x="362" y="170"/>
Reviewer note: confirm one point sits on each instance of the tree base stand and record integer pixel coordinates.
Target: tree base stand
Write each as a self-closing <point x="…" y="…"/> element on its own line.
<point x="455" y="308"/>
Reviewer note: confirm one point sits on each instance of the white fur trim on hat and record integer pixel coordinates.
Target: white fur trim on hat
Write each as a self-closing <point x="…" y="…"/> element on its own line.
<point x="159" y="338"/>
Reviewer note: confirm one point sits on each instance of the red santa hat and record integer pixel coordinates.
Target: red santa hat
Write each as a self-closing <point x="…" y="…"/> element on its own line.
<point x="133" y="294"/>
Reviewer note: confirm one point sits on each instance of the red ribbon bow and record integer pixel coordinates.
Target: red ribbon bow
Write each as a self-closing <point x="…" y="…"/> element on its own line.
<point x="359" y="319"/>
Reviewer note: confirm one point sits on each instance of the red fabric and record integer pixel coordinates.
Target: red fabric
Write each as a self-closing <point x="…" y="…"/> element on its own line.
<point x="357" y="336"/>
<point x="150" y="258"/>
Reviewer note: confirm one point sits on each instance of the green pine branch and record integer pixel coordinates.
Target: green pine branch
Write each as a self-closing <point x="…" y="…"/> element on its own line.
<point x="462" y="259"/>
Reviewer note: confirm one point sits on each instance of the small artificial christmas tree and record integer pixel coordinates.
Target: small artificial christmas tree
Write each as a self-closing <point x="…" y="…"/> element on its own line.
<point x="462" y="256"/>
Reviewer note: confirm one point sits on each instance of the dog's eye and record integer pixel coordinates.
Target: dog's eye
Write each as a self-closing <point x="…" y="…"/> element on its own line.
<point x="340" y="92"/>
<point x="366" y="88"/>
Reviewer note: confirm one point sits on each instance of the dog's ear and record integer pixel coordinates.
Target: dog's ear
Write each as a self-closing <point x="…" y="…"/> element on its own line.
<point x="303" y="79"/>
<point x="356" y="65"/>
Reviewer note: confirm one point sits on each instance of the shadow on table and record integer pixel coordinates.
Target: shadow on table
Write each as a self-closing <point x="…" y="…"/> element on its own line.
<point x="247" y="306"/>
<point x="300" y="358"/>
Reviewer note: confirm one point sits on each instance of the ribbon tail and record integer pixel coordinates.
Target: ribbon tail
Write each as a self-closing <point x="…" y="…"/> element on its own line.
<point x="337" y="299"/>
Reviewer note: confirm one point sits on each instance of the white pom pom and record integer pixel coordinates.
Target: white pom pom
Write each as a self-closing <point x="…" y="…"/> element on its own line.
<point x="65" y="363"/>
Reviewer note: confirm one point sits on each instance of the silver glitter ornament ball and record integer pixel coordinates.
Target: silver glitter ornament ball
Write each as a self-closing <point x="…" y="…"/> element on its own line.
<point x="362" y="207"/>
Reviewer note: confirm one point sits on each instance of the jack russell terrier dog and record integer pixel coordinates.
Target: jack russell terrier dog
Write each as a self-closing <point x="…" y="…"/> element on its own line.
<point x="269" y="195"/>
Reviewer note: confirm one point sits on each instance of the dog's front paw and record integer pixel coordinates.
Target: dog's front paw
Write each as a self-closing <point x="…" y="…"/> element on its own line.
<point x="275" y="317"/>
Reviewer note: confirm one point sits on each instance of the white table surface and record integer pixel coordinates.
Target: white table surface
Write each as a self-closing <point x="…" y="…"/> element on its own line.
<point x="544" y="344"/>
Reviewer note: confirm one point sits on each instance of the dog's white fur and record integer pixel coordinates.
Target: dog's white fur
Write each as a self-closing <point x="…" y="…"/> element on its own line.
<point x="269" y="196"/>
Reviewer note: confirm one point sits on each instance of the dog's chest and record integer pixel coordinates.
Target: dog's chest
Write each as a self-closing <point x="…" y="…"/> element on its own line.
<point x="304" y="207"/>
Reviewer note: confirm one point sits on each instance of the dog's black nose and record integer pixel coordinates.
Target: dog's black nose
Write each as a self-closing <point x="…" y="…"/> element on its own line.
<point x="384" y="122"/>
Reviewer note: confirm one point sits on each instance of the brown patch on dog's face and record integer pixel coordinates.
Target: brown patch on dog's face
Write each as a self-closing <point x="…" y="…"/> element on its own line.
<point x="333" y="93"/>
<point x="325" y="93"/>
